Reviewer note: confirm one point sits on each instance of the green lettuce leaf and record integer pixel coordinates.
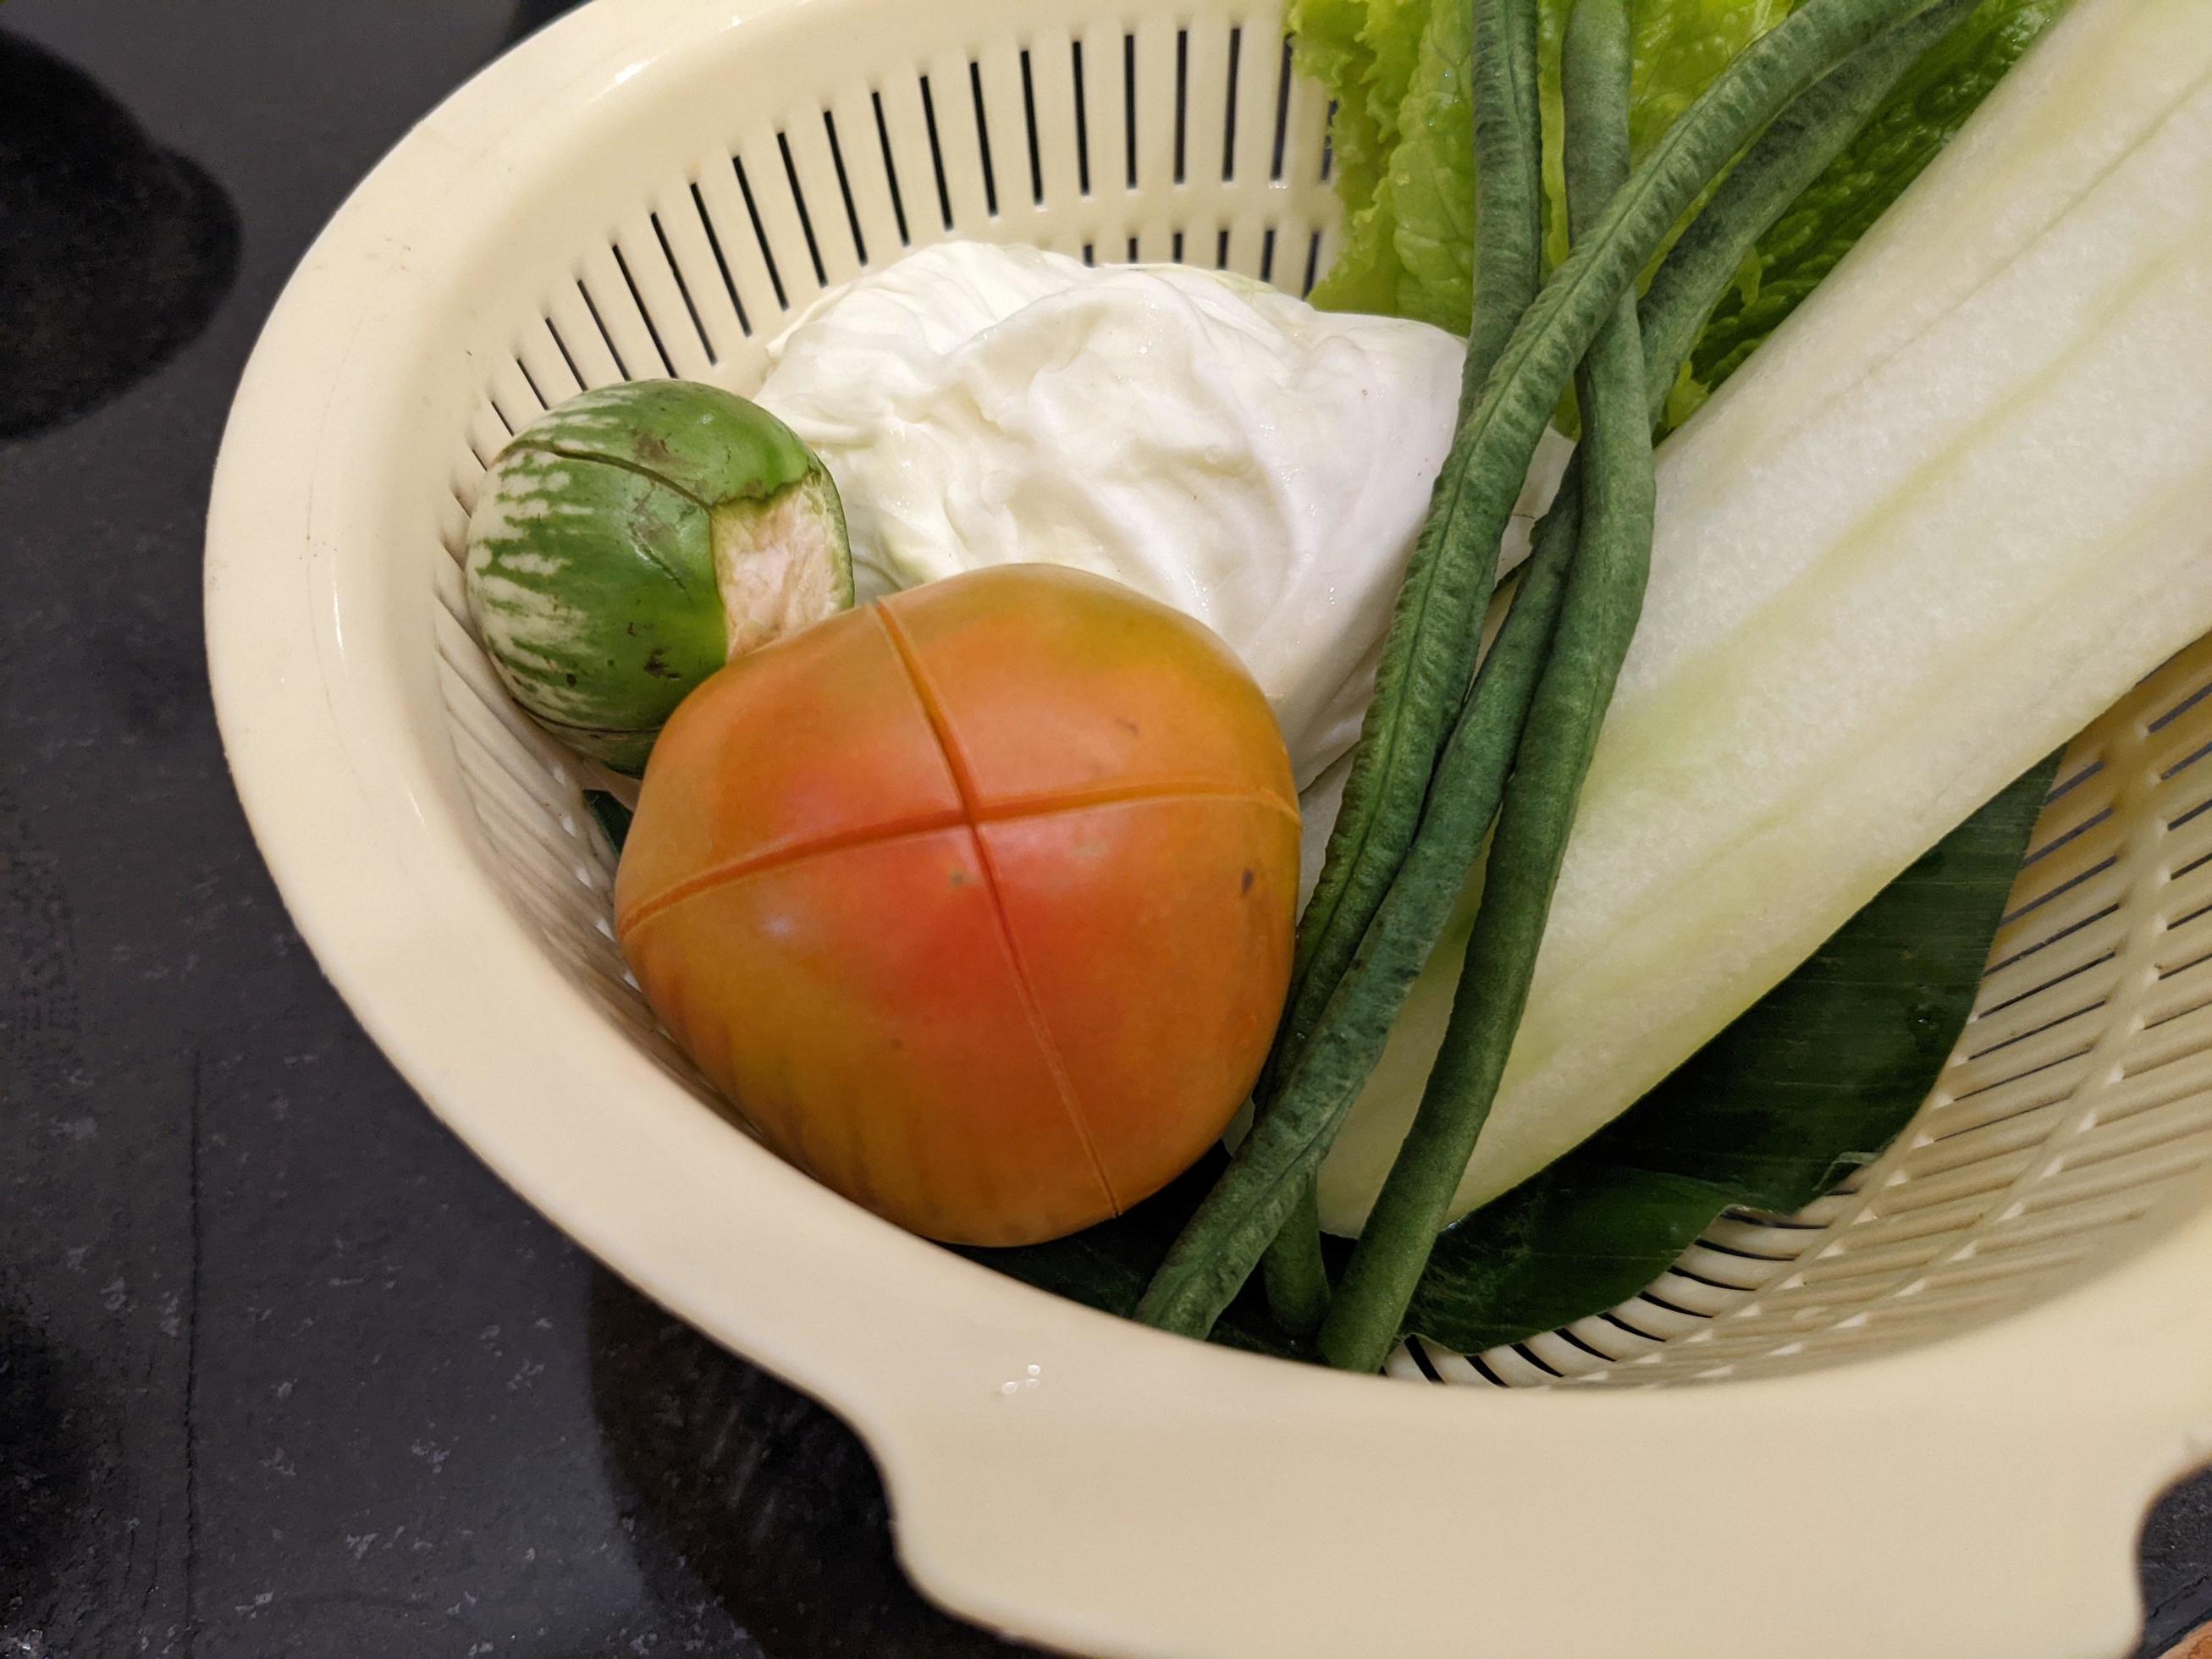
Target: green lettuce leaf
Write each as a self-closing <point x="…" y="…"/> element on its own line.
<point x="1332" y="49"/>
<point x="1431" y="178"/>
<point x="1335" y="47"/>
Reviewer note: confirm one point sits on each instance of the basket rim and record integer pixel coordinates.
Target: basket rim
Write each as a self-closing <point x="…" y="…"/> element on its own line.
<point x="319" y="691"/>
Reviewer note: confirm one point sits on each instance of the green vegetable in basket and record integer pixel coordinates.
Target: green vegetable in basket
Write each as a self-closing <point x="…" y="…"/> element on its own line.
<point x="630" y="541"/>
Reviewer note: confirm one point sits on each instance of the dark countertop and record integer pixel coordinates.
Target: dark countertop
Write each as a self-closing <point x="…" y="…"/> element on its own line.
<point x="283" y="1371"/>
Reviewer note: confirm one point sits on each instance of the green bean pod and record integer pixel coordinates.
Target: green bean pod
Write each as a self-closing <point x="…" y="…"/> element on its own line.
<point x="1603" y="596"/>
<point x="1508" y="268"/>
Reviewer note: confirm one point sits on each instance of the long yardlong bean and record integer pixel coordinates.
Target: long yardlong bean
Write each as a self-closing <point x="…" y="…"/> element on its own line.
<point x="1508" y="269"/>
<point x="1598" y="610"/>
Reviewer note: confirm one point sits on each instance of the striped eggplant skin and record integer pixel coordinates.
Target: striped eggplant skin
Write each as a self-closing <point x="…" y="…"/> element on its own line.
<point x="631" y="540"/>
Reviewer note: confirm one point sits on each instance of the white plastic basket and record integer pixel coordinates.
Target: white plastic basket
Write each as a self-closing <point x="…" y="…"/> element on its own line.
<point x="655" y="186"/>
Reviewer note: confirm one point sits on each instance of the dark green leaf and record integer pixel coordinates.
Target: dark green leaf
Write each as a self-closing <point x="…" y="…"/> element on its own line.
<point x="613" y="817"/>
<point x="1819" y="1075"/>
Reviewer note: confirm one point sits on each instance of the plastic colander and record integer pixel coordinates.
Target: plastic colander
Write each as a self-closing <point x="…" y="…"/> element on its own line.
<point x="1921" y="1419"/>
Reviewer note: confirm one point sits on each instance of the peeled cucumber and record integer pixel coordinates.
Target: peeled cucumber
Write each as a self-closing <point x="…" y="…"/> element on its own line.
<point x="1949" y="514"/>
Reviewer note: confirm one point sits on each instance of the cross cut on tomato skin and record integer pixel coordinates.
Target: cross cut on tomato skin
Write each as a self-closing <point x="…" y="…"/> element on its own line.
<point x="977" y="902"/>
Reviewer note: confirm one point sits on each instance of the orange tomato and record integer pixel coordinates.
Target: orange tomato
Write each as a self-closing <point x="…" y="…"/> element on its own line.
<point x="978" y="902"/>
